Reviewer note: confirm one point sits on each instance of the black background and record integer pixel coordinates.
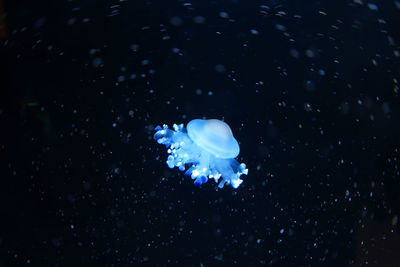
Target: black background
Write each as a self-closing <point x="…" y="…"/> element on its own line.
<point x="84" y="183"/>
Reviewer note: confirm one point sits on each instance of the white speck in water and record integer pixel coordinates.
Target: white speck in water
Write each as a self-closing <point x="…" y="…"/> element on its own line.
<point x="121" y="78"/>
<point x="373" y="7"/>
<point x="254" y="32"/>
<point x="224" y="15"/>
<point x="294" y="53"/>
<point x="176" y="21"/>
<point x="395" y="220"/>
<point x="199" y="20"/>
<point x="219" y="68"/>
<point x="134" y="47"/>
<point x="280" y="27"/>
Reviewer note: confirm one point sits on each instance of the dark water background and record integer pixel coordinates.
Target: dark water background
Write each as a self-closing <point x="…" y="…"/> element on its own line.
<point x="314" y="105"/>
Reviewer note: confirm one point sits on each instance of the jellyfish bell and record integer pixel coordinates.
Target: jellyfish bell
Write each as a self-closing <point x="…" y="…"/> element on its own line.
<point x="215" y="137"/>
<point x="207" y="147"/>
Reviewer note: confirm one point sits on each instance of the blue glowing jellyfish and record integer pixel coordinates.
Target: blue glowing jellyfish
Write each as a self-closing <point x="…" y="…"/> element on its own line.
<point x="208" y="147"/>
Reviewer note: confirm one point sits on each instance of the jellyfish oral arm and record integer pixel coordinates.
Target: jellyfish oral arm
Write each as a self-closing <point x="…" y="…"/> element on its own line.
<point x="202" y="165"/>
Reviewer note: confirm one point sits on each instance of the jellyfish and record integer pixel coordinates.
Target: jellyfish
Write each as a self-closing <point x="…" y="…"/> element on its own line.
<point x="206" y="149"/>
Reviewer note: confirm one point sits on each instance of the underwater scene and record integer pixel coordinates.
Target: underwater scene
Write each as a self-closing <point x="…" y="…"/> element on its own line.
<point x="200" y="133"/>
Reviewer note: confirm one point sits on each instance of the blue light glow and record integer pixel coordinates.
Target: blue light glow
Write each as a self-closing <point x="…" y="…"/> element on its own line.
<point x="207" y="147"/>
